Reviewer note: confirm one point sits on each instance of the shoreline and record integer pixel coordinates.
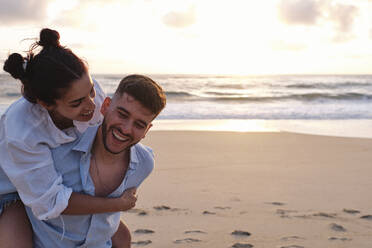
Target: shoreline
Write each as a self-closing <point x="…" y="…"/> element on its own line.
<point x="357" y="128"/>
<point x="334" y="128"/>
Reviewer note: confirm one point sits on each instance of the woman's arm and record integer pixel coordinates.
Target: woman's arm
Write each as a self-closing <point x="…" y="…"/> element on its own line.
<point x="32" y="172"/>
<point x="86" y="204"/>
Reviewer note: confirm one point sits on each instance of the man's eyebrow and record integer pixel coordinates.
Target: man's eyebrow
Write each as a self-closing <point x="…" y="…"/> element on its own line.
<point x="127" y="112"/>
<point x="80" y="99"/>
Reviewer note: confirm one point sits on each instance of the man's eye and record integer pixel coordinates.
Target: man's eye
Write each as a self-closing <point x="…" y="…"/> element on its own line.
<point x="122" y="115"/>
<point x="139" y="125"/>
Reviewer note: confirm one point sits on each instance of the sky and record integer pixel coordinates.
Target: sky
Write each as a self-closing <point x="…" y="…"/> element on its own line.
<point x="200" y="36"/>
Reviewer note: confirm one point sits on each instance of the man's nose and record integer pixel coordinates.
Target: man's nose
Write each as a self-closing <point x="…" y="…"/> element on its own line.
<point x="127" y="127"/>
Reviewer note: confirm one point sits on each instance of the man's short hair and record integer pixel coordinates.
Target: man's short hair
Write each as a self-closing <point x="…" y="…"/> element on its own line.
<point x="145" y="90"/>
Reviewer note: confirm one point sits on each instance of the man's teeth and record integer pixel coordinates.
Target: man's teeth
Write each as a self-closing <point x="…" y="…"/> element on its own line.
<point x="88" y="113"/>
<point x="116" y="135"/>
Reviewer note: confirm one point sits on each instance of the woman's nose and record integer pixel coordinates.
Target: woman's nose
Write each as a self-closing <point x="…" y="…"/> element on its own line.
<point x="90" y="103"/>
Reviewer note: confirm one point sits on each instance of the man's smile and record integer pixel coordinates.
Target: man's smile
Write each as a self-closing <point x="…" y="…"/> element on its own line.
<point x="119" y="136"/>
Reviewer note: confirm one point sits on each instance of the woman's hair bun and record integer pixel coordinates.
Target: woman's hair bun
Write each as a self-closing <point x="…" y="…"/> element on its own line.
<point x="49" y="37"/>
<point x="14" y="65"/>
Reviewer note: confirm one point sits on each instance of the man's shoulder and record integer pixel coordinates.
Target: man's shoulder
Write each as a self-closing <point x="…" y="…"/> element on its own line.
<point x="145" y="156"/>
<point x="144" y="150"/>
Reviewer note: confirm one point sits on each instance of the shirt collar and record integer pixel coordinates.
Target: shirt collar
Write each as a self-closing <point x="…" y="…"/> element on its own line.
<point x="86" y="140"/>
<point x="55" y="133"/>
<point x="133" y="157"/>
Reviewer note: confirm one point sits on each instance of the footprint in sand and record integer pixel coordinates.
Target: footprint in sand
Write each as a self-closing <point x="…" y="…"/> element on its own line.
<point x="292" y="238"/>
<point x="137" y="211"/>
<point x="207" y="212"/>
<point x="337" y="228"/>
<point x="143" y="231"/>
<point x="351" y="211"/>
<point x="292" y="246"/>
<point x="340" y="239"/>
<point x="285" y="213"/>
<point x="222" y="208"/>
<point x="275" y="203"/>
<point x="240" y="245"/>
<point x="241" y="233"/>
<point x="167" y="208"/>
<point x="320" y="214"/>
<point x="304" y="216"/>
<point x="195" y="231"/>
<point x="142" y="243"/>
<point x="366" y="217"/>
<point x="162" y="207"/>
<point x="187" y="240"/>
<point x="326" y="215"/>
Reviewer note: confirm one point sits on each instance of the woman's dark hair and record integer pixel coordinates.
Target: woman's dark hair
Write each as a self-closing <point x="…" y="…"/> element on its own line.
<point x="48" y="74"/>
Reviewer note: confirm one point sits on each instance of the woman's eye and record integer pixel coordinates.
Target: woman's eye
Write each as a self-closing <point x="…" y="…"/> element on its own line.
<point x="76" y="105"/>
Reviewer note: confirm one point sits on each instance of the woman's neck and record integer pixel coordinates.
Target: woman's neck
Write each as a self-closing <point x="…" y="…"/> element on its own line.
<point x="60" y="121"/>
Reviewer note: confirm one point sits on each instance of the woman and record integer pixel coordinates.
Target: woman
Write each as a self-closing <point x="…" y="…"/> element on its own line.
<point x="58" y="97"/>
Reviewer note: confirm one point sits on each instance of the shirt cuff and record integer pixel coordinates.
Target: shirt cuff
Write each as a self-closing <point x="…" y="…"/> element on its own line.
<point x="61" y="203"/>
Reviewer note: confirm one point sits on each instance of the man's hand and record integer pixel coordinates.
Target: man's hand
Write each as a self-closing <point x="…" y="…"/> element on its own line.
<point x="129" y="199"/>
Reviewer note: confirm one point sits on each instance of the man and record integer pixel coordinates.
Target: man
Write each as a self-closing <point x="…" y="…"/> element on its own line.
<point x="105" y="161"/>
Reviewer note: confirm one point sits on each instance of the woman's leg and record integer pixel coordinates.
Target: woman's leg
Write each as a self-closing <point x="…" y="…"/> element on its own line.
<point x="15" y="228"/>
<point x="121" y="238"/>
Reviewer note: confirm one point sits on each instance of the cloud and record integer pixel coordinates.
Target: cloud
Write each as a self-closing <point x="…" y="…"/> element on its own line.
<point x="343" y="16"/>
<point x="81" y="14"/>
<point x="286" y="46"/>
<point x="300" y="12"/>
<point x="22" y="11"/>
<point x="76" y="16"/>
<point x="320" y="12"/>
<point x="177" y="19"/>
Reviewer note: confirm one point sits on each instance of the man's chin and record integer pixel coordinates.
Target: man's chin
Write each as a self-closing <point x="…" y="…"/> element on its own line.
<point x="117" y="150"/>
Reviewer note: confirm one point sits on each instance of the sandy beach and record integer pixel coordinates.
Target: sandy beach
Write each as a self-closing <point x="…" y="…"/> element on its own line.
<point x="231" y="189"/>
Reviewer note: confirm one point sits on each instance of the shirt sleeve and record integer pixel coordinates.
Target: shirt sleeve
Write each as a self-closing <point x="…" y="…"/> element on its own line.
<point x="32" y="172"/>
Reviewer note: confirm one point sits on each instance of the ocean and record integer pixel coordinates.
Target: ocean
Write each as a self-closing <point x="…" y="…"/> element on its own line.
<point x="338" y="105"/>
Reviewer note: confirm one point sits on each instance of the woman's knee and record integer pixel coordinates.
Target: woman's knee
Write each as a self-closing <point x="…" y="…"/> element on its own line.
<point x="122" y="238"/>
<point x="15" y="228"/>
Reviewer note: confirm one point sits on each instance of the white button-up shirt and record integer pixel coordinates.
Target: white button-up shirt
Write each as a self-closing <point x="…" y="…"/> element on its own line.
<point x="72" y="162"/>
<point x="27" y="133"/>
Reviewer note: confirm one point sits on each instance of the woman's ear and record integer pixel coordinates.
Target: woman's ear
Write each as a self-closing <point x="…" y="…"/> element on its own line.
<point x="105" y="105"/>
<point x="45" y="105"/>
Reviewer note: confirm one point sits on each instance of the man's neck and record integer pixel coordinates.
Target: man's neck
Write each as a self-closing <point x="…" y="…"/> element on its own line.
<point x="107" y="170"/>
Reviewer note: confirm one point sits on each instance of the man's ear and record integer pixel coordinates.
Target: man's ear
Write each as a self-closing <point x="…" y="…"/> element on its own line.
<point x="105" y="105"/>
<point x="45" y="105"/>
